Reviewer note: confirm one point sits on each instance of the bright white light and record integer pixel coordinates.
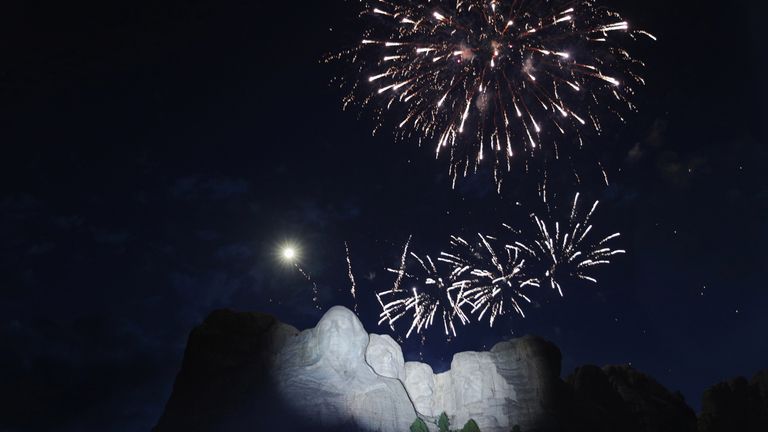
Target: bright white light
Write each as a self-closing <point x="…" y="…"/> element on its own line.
<point x="289" y="253"/>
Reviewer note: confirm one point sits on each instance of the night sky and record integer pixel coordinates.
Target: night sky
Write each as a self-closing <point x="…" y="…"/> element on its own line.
<point x="156" y="155"/>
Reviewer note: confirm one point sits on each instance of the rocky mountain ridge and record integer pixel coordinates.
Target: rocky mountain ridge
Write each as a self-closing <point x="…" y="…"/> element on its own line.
<point x="250" y="372"/>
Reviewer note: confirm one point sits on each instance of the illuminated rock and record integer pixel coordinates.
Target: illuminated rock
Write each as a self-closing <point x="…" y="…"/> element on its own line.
<point x="322" y="374"/>
<point x="420" y="384"/>
<point x="339" y="374"/>
<point x="385" y="357"/>
<point x="249" y="372"/>
<point x="510" y="385"/>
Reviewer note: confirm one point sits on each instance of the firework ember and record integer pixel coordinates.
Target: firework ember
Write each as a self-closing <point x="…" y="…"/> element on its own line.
<point x="429" y="291"/>
<point x="488" y="277"/>
<point x="493" y="80"/>
<point x="566" y="250"/>
<point x="492" y="276"/>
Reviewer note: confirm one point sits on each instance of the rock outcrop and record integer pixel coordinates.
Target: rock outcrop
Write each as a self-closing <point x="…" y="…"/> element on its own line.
<point x="250" y="372"/>
<point x="736" y="405"/>
<point x="512" y="384"/>
<point x="385" y="357"/>
<point x="322" y="374"/>
<point x="225" y="375"/>
<point x="620" y="398"/>
<point x="246" y="372"/>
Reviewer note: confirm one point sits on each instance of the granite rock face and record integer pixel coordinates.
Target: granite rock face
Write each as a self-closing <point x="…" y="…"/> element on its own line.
<point x="322" y="374"/>
<point x="736" y="405"/>
<point x="385" y="356"/>
<point x="652" y="407"/>
<point x="225" y="373"/>
<point x="250" y="372"/>
<point x="513" y="384"/>
<point x="620" y="398"/>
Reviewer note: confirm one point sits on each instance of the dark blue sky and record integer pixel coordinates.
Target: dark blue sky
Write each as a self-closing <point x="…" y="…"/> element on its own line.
<point x="154" y="156"/>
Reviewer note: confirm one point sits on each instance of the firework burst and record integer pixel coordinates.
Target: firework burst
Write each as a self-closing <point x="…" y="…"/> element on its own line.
<point x="489" y="80"/>
<point x="490" y="278"/>
<point x="566" y="249"/>
<point x="429" y="293"/>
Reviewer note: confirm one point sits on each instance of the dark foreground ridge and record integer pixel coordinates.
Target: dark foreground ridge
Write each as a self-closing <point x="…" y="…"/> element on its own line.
<point x="228" y="383"/>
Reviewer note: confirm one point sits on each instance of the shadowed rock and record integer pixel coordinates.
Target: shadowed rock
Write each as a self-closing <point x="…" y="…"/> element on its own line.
<point x="619" y="398"/>
<point x="225" y="375"/>
<point x="736" y="405"/>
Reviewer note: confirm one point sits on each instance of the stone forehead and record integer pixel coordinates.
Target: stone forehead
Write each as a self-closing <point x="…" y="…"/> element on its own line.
<point x="339" y="316"/>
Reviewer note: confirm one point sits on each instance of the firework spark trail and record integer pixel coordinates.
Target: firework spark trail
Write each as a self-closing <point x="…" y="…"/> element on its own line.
<point x="386" y="315"/>
<point x="492" y="80"/>
<point x="488" y="277"/>
<point x="315" y="291"/>
<point x="491" y="276"/>
<point x="353" y="289"/>
<point x="401" y="271"/>
<point x="433" y="295"/>
<point x="565" y="249"/>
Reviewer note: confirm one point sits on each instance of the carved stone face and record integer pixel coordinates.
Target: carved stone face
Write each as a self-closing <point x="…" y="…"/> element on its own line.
<point x="420" y="384"/>
<point x="385" y="356"/>
<point x="341" y="336"/>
